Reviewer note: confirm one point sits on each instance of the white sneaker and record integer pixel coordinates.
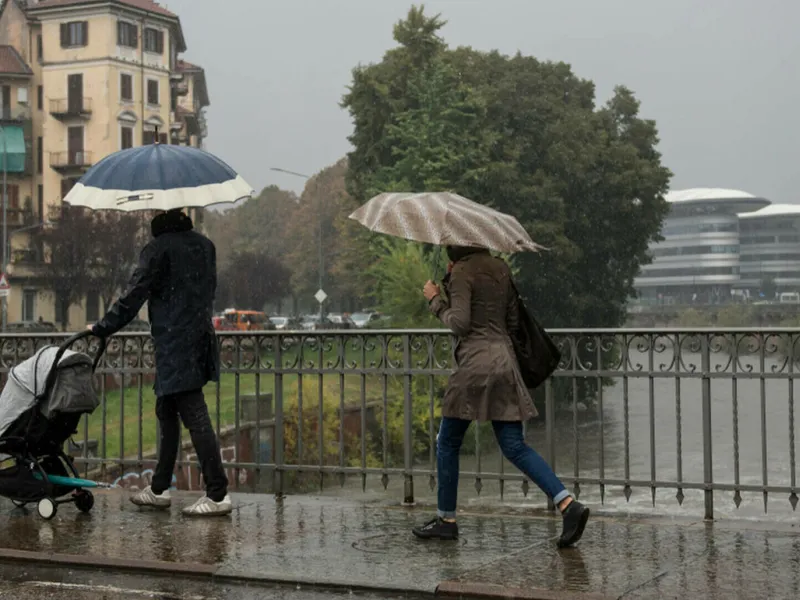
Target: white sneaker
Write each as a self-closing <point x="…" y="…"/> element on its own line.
<point x="206" y="507"/>
<point x="148" y="498"/>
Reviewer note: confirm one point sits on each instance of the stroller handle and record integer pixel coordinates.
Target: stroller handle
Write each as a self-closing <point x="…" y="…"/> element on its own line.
<point x="66" y="345"/>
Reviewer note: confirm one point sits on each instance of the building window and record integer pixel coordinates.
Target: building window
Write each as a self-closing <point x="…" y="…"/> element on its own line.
<point x="154" y="41"/>
<point x="29" y="305"/>
<point x="12" y="189"/>
<point x="74" y="33"/>
<point x="126" y="137"/>
<point x="40" y="97"/>
<point x="152" y="92"/>
<point x="92" y="307"/>
<point x="126" y="87"/>
<point x="39" y="48"/>
<point x="40" y="202"/>
<point x="127" y="34"/>
<point x="149" y="137"/>
<point x="40" y="154"/>
<point x="66" y="186"/>
<point x="62" y="310"/>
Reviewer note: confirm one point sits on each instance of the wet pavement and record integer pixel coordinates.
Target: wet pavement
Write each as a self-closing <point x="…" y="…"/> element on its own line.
<point x="326" y="541"/>
<point x="58" y="584"/>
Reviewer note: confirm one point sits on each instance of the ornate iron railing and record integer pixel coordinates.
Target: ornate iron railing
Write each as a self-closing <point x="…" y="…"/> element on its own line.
<point x="703" y="413"/>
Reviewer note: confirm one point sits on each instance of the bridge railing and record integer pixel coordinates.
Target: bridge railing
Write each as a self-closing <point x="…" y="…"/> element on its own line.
<point x="640" y="414"/>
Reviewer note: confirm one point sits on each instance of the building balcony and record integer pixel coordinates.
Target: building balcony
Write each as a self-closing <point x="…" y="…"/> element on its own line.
<point x="182" y="88"/>
<point x="71" y="108"/>
<point x="19" y="217"/>
<point x="16" y="116"/>
<point x="71" y="161"/>
<point x="27" y="256"/>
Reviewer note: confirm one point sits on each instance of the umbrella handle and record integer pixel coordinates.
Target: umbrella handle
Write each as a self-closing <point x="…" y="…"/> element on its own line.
<point x="435" y="268"/>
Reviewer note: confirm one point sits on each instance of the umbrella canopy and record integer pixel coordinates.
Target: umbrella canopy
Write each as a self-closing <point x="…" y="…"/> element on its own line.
<point x="445" y="219"/>
<point x="158" y="177"/>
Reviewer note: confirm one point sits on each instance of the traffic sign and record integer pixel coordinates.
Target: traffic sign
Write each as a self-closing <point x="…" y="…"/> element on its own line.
<point x="321" y="296"/>
<point x="5" y="287"/>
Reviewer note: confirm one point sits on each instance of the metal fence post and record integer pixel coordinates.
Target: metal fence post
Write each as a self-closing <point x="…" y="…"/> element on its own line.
<point x="550" y="430"/>
<point x="277" y="474"/>
<point x="408" y="425"/>
<point x="708" y="457"/>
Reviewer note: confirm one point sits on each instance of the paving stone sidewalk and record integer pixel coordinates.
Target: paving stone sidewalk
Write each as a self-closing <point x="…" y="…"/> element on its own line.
<point x="332" y="542"/>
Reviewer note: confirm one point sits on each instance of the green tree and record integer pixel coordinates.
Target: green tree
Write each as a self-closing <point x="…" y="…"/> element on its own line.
<point x="69" y="268"/>
<point x="525" y="137"/>
<point x="251" y="279"/>
<point x="398" y="279"/>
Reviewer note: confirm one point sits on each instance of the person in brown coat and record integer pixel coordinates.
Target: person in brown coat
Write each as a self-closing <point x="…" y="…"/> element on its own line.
<point x="482" y="310"/>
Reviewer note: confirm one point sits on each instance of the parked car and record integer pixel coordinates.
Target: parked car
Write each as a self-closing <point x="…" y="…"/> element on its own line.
<point x="286" y="323"/>
<point x="364" y="319"/>
<point x="338" y="321"/>
<point x="242" y="320"/>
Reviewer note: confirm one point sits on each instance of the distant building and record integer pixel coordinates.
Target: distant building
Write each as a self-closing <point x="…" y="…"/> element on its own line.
<point x="80" y="79"/>
<point x="770" y="248"/>
<point x="699" y="259"/>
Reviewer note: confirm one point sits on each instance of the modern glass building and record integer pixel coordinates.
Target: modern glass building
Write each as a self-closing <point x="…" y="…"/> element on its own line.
<point x="698" y="260"/>
<point x="770" y="249"/>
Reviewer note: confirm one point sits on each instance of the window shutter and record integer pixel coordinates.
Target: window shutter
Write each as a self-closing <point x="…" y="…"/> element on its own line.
<point x="85" y="29"/>
<point x="119" y="33"/>
<point x="160" y="42"/>
<point x="64" y="35"/>
<point x="162" y="138"/>
<point x="135" y="31"/>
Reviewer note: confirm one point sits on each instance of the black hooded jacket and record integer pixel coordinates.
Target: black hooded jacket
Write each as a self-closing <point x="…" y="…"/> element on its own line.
<point x="177" y="277"/>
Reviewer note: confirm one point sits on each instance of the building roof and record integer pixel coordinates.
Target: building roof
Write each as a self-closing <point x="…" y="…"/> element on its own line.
<point x="773" y="210"/>
<point x="11" y="63"/>
<point x="184" y="65"/>
<point x="148" y="5"/>
<point x="700" y="194"/>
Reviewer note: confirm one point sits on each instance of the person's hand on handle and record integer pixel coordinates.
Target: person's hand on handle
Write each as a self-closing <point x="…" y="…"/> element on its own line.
<point x="431" y="290"/>
<point x="450" y="266"/>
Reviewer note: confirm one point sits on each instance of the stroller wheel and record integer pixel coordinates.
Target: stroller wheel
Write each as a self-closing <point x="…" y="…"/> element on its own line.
<point x="84" y="500"/>
<point x="47" y="508"/>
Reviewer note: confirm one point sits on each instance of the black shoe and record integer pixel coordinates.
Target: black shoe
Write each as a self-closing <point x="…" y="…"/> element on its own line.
<point x="437" y="529"/>
<point x="575" y="518"/>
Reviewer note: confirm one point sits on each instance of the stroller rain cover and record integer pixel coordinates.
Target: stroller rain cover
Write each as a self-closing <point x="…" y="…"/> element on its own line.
<point x="72" y="390"/>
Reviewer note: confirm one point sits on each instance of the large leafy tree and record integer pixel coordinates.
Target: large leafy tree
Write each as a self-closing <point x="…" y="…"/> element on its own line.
<point x="70" y="259"/>
<point x="527" y="138"/>
<point x="251" y="280"/>
<point x="117" y="240"/>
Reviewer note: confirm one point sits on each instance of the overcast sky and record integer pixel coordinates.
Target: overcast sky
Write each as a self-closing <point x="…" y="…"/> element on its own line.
<point x="720" y="77"/>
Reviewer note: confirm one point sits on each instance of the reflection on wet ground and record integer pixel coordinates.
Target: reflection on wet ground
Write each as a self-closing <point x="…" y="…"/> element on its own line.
<point x="369" y="545"/>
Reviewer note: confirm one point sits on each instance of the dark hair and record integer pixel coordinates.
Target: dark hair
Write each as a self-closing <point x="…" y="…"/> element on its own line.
<point x="456" y="253"/>
<point x="171" y="221"/>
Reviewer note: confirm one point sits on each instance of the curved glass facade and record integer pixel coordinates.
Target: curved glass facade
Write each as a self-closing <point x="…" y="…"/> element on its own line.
<point x="770" y="252"/>
<point x="698" y="261"/>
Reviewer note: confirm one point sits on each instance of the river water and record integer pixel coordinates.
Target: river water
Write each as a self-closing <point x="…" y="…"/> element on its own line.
<point x="612" y="437"/>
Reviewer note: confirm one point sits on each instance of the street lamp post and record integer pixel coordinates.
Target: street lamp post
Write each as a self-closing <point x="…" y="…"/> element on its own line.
<point x="321" y="267"/>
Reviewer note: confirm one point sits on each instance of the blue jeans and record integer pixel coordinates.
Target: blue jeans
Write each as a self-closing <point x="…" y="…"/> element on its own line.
<point x="512" y="443"/>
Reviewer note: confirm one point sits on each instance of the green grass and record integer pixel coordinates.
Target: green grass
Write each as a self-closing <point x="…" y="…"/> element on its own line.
<point x="221" y="403"/>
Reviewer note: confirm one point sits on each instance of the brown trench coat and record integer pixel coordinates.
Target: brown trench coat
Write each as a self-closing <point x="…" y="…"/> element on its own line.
<point x="482" y="309"/>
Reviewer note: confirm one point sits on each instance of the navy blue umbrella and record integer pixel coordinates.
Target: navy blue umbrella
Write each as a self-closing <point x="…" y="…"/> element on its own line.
<point x="158" y="177"/>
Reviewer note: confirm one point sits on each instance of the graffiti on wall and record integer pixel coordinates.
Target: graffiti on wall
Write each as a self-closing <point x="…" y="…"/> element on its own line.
<point x="138" y="480"/>
<point x="229" y="454"/>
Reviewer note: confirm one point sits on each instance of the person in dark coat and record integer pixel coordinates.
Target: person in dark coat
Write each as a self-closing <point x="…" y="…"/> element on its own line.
<point x="482" y="310"/>
<point x="177" y="277"/>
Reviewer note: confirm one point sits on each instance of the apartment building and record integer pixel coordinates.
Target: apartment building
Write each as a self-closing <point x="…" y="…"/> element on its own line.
<point x="81" y="79"/>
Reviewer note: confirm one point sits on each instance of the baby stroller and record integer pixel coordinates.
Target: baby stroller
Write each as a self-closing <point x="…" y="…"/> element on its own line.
<point x="40" y="408"/>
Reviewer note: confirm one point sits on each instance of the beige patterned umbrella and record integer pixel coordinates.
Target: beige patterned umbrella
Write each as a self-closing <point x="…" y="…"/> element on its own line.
<point x="444" y="219"/>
